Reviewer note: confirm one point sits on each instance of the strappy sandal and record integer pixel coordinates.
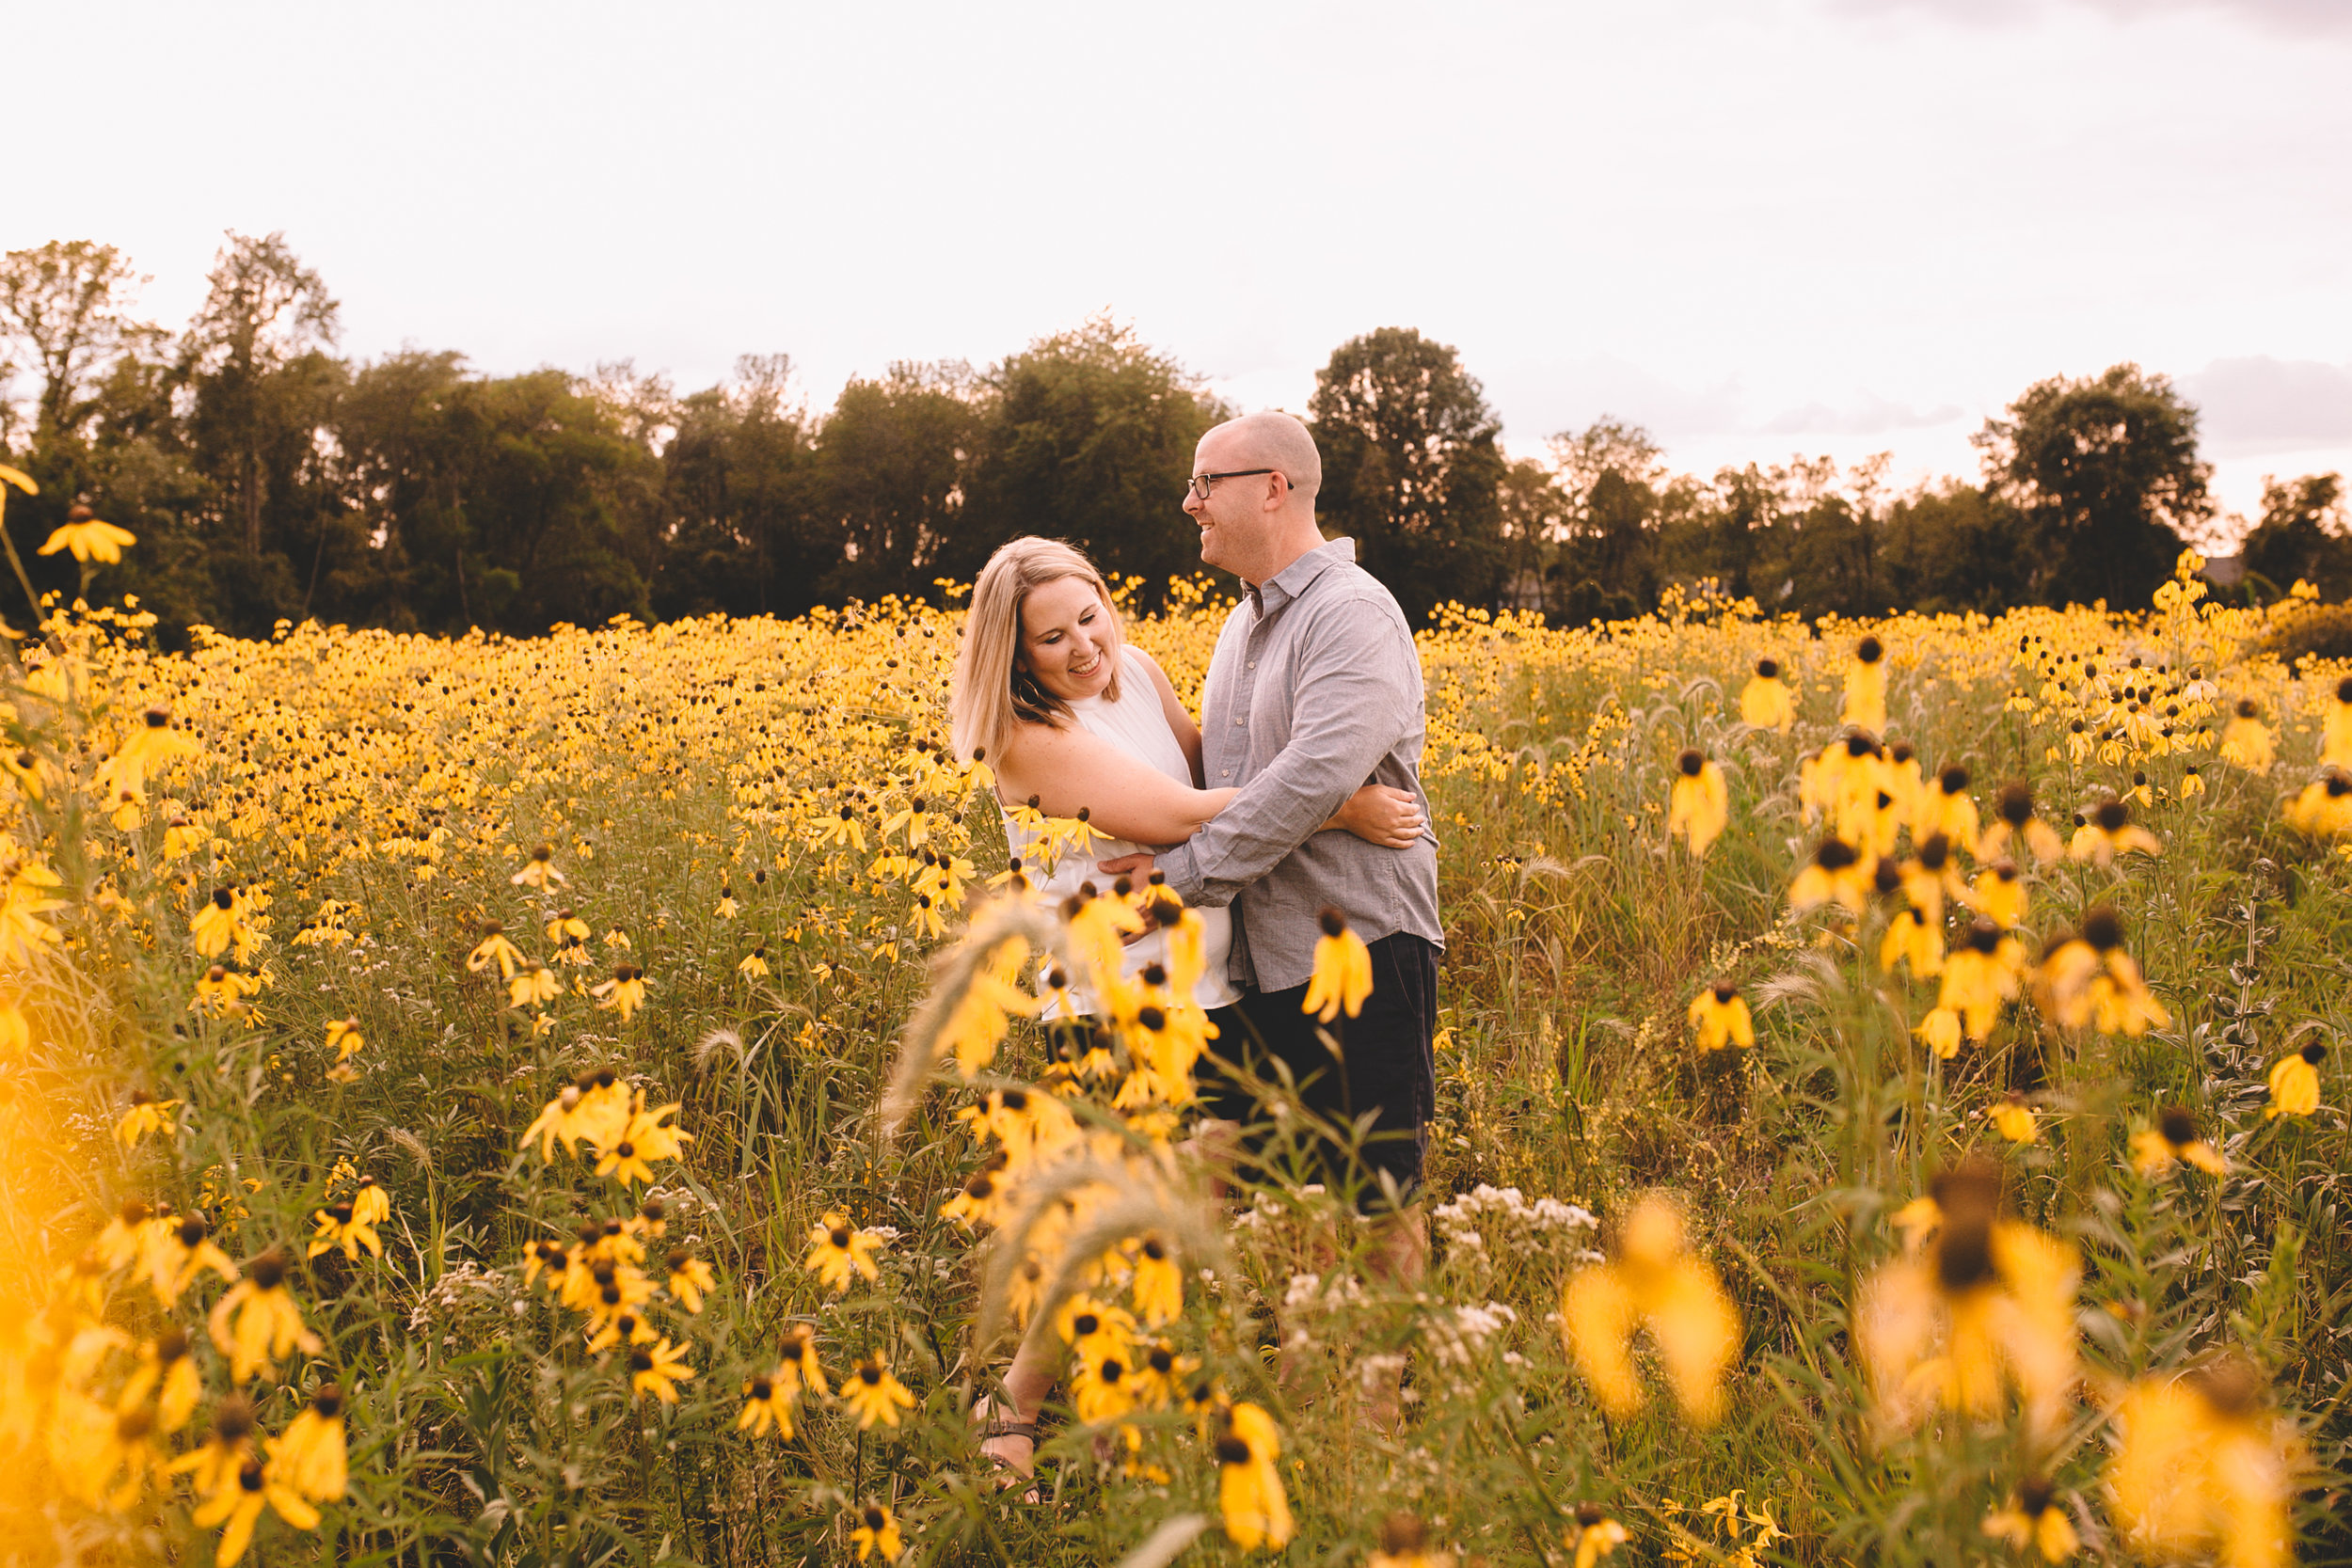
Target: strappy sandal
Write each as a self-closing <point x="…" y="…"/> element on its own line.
<point x="1013" y="1475"/>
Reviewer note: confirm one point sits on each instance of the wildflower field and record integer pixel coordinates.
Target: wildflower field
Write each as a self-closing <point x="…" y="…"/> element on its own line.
<point x="577" y="1099"/>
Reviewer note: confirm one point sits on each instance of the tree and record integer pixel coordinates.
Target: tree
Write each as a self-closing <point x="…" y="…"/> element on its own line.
<point x="1411" y="468"/>
<point x="2302" y="536"/>
<point x="1536" y="518"/>
<point x="64" y="303"/>
<point x="891" y="465"/>
<point x="1087" y="435"/>
<point x="740" y="536"/>
<point x="2107" y="475"/>
<point x="255" y="355"/>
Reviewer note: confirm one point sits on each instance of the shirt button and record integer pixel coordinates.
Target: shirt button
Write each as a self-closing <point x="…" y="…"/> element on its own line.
<point x="1237" y="721"/>
<point x="1226" y="774"/>
<point x="1253" y="664"/>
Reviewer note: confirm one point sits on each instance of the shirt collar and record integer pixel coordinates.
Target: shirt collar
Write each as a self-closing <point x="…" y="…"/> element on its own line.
<point x="1292" y="580"/>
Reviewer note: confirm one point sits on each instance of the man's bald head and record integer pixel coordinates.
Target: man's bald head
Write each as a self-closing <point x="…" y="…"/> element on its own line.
<point x="1268" y="440"/>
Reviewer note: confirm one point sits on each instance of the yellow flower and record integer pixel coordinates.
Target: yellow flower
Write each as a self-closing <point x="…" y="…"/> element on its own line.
<point x="89" y="539"/>
<point x="2174" y="1141"/>
<point x="1701" y="804"/>
<point x="495" y="949"/>
<point x="2247" y="742"/>
<point x="2323" y="808"/>
<point x="2199" y="1468"/>
<point x="539" y="871"/>
<point x="534" y="987"/>
<point x="768" y="1401"/>
<point x="2295" y="1083"/>
<point x="754" y="964"/>
<point x="2107" y="832"/>
<point x="877" y="1534"/>
<point x="344" y="1039"/>
<point x="338" y="1225"/>
<point x="1835" y="873"/>
<point x="1948" y="808"/>
<point x="838" y="1253"/>
<point x="313" y="1451"/>
<point x="2014" y="819"/>
<point x="240" y="1504"/>
<point x="146" y="1114"/>
<point x="256" y="1319"/>
<point x="2036" y="1521"/>
<point x="1913" y="938"/>
<point x="1595" y="1535"/>
<point x="2090" y="980"/>
<point x="166" y="1371"/>
<point x="1159" y="1284"/>
<point x="873" y="1394"/>
<point x="658" y="1369"/>
<point x="2013" y="1120"/>
<point x="689" y="1277"/>
<point x="623" y="993"/>
<point x="1654" y="1282"/>
<point x="1250" y="1499"/>
<point x="640" y="1139"/>
<point x="1764" y="701"/>
<point x="1343" y="972"/>
<point x="1981" y="975"/>
<point x="1719" y="1014"/>
<point x="1866" y="687"/>
<point x="1998" y="893"/>
<point x="1405" y="1544"/>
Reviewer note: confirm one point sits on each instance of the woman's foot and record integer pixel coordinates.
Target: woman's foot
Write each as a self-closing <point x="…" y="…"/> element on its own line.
<point x="1008" y="1445"/>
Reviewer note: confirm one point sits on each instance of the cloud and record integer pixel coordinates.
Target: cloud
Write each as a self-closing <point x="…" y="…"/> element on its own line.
<point x="2258" y="403"/>
<point x="1539" y="397"/>
<point x="2301" y="18"/>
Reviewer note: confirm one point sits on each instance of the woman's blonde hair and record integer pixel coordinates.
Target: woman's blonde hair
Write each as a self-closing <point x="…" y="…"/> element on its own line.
<point x="990" y="692"/>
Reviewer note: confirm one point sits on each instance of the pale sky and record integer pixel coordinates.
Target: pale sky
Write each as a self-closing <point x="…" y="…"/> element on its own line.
<point x="1759" y="226"/>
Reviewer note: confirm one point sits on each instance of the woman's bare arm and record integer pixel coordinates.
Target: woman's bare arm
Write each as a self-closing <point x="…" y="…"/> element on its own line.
<point x="1187" y="733"/>
<point x="1068" y="770"/>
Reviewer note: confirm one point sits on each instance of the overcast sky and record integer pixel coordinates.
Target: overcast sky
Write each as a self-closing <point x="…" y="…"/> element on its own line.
<point x="1759" y="226"/>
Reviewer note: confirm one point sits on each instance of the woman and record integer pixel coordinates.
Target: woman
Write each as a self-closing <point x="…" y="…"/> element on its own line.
<point x="1072" y="720"/>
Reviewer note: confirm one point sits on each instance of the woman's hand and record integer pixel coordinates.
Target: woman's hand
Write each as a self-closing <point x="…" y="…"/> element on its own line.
<point x="1378" y="815"/>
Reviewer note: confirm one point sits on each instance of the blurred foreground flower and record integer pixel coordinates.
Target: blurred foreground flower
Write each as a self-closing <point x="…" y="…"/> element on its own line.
<point x="1653" y="1282"/>
<point x="1701" y="806"/>
<point x="1343" y="975"/>
<point x="2199" y="1467"/>
<point x="89" y="539"/>
<point x="2037" y="1521"/>
<point x="1248" y="1487"/>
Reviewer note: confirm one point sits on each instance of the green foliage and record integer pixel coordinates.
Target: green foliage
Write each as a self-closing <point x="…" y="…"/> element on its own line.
<point x="2302" y="537"/>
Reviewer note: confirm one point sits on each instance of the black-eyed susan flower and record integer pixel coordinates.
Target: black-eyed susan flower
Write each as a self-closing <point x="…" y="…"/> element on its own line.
<point x="1835" y="874"/>
<point x="2016" y="830"/>
<point x="238" y="1508"/>
<point x="1595" y="1535"/>
<point x="621" y="1327"/>
<point x="1977" y="1304"/>
<point x="88" y="539"/>
<point x="658" y="1369"/>
<point x="1765" y="703"/>
<point x="1720" y="1015"/>
<point x="2247" y="742"/>
<point x="177" y="1249"/>
<point x="256" y="1322"/>
<point x="2201" y="1467"/>
<point x="213" y="1467"/>
<point x="873" y="1394"/>
<point x="625" y="993"/>
<point x="1948" y="808"/>
<point x="1404" y="1543"/>
<point x="2174" y="1141"/>
<point x="312" y="1453"/>
<point x="1866" y="687"/>
<point x="534" y="987"/>
<point x="370" y="1203"/>
<point x="797" y="1350"/>
<point x="1912" y="939"/>
<point x="495" y="949"/>
<point x="167" y="1371"/>
<point x="754" y="965"/>
<point x="1102" y="1388"/>
<point x="877" y="1534"/>
<point x="539" y="870"/>
<point x="768" y="1401"/>
<point x="2035" y="1521"/>
<point x="2012" y="1119"/>
<point x="645" y="1137"/>
<point x="147" y="1116"/>
<point x="1998" y="893"/>
<point x="839" y="1252"/>
<point x="1251" y="1500"/>
<point x="2108" y="831"/>
<point x="2335" y="736"/>
<point x="1652" y="1282"/>
<point x="2294" y="1082"/>
<point x="1700" y="805"/>
<point x="687" y="1277"/>
<point x="1158" y="1285"/>
<point x="1343" y="971"/>
<point x="339" y="1227"/>
<point x="2323" y="808"/>
<point x="1983" y="973"/>
<point x="2089" y="979"/>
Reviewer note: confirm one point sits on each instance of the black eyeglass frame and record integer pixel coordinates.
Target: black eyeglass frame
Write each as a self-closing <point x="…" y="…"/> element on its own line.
<point x="1199" y="483"/>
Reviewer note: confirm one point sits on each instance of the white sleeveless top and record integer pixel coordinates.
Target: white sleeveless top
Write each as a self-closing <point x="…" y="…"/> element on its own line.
<point x="1136" y="725"/>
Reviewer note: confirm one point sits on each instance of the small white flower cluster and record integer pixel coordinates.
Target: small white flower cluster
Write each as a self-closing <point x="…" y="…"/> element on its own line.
<point x="1461" y="1224"/>
<point x="1457" y="1334"/>
<point x="465" y="1290"/>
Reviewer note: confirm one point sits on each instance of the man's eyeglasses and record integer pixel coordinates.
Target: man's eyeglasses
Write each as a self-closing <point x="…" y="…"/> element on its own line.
<point x="1200" y="483"/>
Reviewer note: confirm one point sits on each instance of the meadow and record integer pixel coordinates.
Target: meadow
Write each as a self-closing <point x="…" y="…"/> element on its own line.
<point x="572" y="1100"/>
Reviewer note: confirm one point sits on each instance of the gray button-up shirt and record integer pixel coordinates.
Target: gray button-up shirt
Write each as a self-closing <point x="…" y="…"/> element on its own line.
<point x="1314" y="692"/>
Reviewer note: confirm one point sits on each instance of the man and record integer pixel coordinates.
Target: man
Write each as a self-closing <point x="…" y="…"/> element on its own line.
<point x="1314" y="690"/>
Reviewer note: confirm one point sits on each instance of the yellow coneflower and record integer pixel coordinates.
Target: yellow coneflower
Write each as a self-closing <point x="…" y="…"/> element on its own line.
<point x="213" y="1467"/>
<point x="768" y="1401"/>
<point x="146" y="1116"/>
<point x="256" y="1321"/>
<point x="1719" y="1014"/>
<point x="981" y="1197"/>
<point x="1700" y="806"/>
<point x="1948" y="808"/>
<point x="1655" y="1282"/>
<point x="2294" y="1082"/>
<point x="2108" y="831"/>
<point x="179" y="1249"/>
<point x="658" y="1369"/>
<point x="2199" y="1467"/>
<point x="539" y="870"/>
<point x="166" y="1371"/>
<point x="2335" y="739"/>
<point x="1404" y="1543"/>
<point x="754" y="965"/>
<point x="873" y="1394"/>
<point x="2172" y="1141"/>
<point x="1912" y="938"/>
<point x="1250" y="1499"/>
<point x="2192" y="783"/>
<point x="1765" y="703"/>
<point x="1595" y="1535"/>
<point x="1158" y="1285"/>
<point x="798" y="1352"/>
<point x="2089" y="979"/>
<point x="1102" y="1389"/>
<point x="2036" y="1521"/>
<point x="239" y="1506"/>
<point x="877" y="1534"/>
<point x="534" y="987"/>
<point x="837" y="1251"/>
<point x="494" y="948"/>
<point x="2247" y="742"/>
<point x="625" y="993"/>
<point x="2323" y="808"/>
<point x="344" y="1040"/>
<point x="1866" y="687"/>
<point x="2015" y="819"/>
<point x="340" y="1226"/>
<point x="1836" y="872"/>
<point x="370" y="1203"/>
<point x="1343" y="971"/>
<point x="2013" y="1120"/>
<point x="1981" y="975"/>
<point x="622" y="1328"/>
<point x="88" y="539"/>
<point x="312" y="1453"/>
<point x="643" y="1138"/>
<point x="1998" y="893"/>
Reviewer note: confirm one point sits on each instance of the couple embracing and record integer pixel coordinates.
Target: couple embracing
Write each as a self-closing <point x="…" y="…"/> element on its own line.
<point x="1297" y="792"/>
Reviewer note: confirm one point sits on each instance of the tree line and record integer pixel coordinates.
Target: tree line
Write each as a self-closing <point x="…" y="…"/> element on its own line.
<point x="270" y="478"/>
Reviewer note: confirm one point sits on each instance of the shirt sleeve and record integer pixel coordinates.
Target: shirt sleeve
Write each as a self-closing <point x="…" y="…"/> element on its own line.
<point x="1357" y="689"/>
